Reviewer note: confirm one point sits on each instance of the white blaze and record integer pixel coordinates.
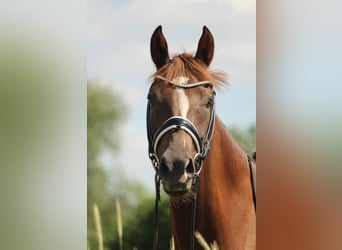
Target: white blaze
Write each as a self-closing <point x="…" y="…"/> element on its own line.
<point x="183" y="100"/>
<point x="183" y="103"/>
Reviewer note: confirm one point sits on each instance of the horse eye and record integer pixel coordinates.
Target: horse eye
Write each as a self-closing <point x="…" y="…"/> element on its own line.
<point x="151" y="97"/>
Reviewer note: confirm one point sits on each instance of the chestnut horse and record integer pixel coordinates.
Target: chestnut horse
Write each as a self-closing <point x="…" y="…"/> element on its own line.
<point x="182" y="126"/>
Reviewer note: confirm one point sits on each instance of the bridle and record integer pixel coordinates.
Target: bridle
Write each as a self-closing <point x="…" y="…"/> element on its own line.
<point x="181" y="123"/>
<point x="202" y="147"/>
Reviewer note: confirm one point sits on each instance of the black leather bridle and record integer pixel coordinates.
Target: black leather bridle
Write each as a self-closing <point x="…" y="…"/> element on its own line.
<point x="202" y="147"/>
<point x="181" y="123"/>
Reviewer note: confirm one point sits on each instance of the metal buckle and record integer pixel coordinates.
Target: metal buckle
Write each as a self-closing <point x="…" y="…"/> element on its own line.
<point x="155" y="161"/>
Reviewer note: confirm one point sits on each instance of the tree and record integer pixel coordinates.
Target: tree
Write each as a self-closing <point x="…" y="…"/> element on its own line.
<point x="139" y="230"/>
<point x="104" y="111"/>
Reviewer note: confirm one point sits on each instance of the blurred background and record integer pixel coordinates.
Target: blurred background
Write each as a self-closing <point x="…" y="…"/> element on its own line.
<point x="53" y="54"/>
<point x="118" y="69"/>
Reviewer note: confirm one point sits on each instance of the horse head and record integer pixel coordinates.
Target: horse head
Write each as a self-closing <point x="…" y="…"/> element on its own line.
<point x="180" y="117"/>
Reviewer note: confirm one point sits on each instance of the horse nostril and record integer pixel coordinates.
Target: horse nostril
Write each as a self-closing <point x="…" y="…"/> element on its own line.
<point x="175" y="167"/>
<point x="190" y="168"/>
<point x="164" y="169"/>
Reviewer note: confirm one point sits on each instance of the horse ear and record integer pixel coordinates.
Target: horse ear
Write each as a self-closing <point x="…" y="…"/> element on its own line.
<point x="205" y="49"/>
<point x="159" y="49"/>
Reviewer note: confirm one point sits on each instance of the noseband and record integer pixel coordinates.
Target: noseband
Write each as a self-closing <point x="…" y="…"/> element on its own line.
<point x="181" y="123"/>
<point x="202" y="147"/>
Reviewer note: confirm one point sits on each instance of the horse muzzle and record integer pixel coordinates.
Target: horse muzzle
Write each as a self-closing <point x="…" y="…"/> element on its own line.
<point x="176" y="189"/>
<point x="176" y="176"/>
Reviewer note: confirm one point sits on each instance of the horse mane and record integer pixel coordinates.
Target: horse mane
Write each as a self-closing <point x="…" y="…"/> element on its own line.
<point x="185" y="65"/>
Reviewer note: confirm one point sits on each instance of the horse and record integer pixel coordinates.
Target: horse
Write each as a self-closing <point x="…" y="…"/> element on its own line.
<point x="202" y="169"/>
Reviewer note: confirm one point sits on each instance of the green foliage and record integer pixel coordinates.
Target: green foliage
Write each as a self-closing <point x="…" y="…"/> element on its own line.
<point x="105" y="110"/>
<point x="139" y="230"/>
<point x="246" y="137"/>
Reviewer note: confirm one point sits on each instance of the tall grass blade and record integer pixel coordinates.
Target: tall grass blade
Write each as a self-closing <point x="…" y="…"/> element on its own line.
<point x="204" y="244"/>
<point x="98" y="225"/>
<point x="202" y="241"/>
<point x="214" y="246"/>
<point x="119" y="220"/>
<point x="172" y="243"/>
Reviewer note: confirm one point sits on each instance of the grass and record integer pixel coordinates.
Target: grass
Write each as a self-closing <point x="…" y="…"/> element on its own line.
<point x="172" y="243"/>
<point x="119" y="220"/>
<point x="204" y="244"/>
<point x="97" y="218"/>
<point x="98" y="226"/>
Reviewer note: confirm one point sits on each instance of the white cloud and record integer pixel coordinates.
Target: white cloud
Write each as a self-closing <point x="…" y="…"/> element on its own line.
<point x="247" y="6"/>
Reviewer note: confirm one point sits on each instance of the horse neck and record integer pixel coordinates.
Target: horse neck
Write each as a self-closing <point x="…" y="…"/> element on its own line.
<point x="225" y="168"/>
<point x="221" y="171"/>
<point x="225" y="162"/>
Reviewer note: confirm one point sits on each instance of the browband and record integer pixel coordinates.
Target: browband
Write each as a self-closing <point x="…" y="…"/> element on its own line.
<point x="185" y="86"/>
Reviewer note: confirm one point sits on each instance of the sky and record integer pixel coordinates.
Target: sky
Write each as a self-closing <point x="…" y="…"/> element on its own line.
<point x="118" y="42"/>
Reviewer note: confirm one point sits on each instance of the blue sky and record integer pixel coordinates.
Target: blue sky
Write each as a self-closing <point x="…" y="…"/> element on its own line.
<point x="118" y="55"/>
